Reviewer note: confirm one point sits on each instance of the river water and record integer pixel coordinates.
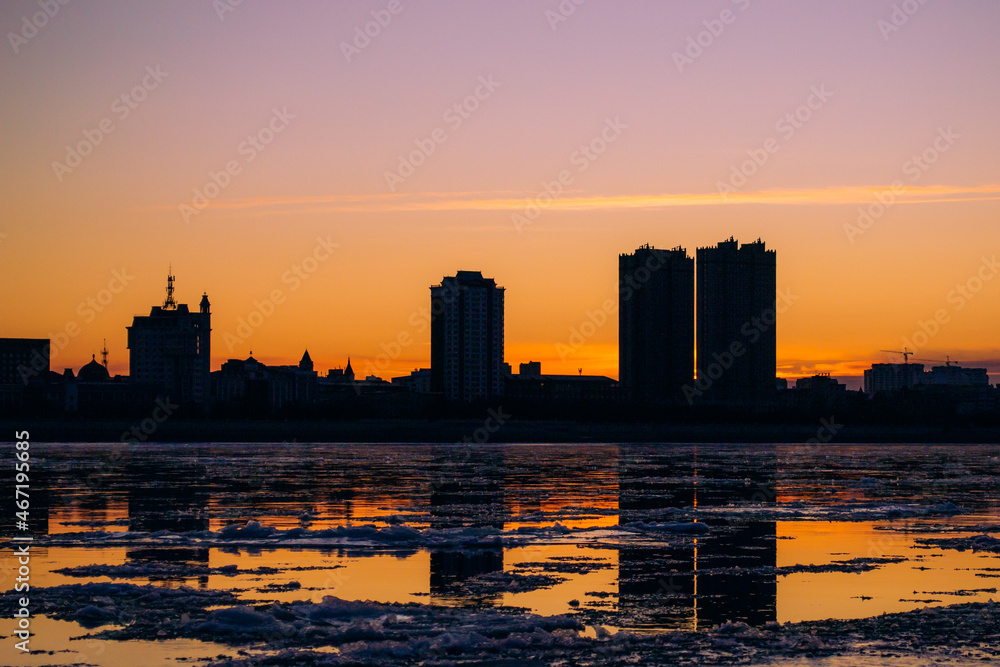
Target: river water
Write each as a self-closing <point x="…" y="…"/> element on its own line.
<point x="647" y="538"/>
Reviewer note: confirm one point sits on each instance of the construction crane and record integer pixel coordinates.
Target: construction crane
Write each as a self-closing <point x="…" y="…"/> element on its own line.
<point x="905" y="352"/>
<point x="947" y="361"/>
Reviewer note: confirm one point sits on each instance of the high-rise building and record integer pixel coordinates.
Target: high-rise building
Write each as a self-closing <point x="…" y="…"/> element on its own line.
<point x="467" y="337"/>
<point x="530" y="368"/>
<point x="170" y="350"/>
<point x="23" y="362"/>
<point x="655" y="323"/>
<point x="22" y="359"/>
<point x="737" y="343"/>
<point x="888" y="378"/>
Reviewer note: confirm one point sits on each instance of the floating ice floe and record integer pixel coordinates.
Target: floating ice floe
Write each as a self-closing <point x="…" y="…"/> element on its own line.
<point x="342" y="632"/>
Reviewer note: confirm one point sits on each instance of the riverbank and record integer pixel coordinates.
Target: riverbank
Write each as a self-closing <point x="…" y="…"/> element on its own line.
<point x="510" y="431"/>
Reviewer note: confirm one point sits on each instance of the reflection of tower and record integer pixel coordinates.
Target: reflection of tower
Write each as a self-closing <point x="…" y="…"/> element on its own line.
<point x="37" y="514"/>
<point x="173" y="498"/>
<point x="742" y="596"/>
<point x="655" y="583"/>
<point x="468" y="492"/>
<point x="690" y="582"/>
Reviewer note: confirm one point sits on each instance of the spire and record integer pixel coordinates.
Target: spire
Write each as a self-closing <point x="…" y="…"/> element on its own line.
<point x="169" y="303"/>
<point x="104" y="353"/>
<point x="204" y="305"/>
<point x="349" y="372"/>
<point x="306" y="363"/>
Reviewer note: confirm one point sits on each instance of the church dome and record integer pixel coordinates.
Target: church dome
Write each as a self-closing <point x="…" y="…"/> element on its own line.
<point x="93" y="372"/>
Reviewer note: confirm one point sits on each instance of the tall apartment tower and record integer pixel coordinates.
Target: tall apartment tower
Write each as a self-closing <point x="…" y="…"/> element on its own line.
<point x="655" y="323"/>
<point x="737" y="345"/>
<point x="170" y="350"/>
<point x="467" y="337"/>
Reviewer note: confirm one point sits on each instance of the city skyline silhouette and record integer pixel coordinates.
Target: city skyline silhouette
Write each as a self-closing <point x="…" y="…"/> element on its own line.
<point x="321" y="170"/>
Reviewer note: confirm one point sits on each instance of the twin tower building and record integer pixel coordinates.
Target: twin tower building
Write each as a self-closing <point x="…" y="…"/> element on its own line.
<point x="736" y="320"/>
<point x="736" y="317"/>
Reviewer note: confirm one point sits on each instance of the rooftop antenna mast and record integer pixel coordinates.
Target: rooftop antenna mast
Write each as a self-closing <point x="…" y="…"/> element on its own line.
<point x="169" y="303"/>
<point x="104" y="353"/>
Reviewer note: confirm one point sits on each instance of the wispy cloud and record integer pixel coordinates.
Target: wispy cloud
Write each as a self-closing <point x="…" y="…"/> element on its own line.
<point x="509" y="200"/>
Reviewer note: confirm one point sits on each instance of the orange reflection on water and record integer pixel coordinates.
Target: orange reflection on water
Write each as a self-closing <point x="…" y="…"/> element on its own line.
<point x="927" y="578"/>
<point x="62" y="517"/>
<point x="44" y="560"/>
<point x="555" y="600"/>
<point x="62" y="637"/>
<point x="378" y="577"/>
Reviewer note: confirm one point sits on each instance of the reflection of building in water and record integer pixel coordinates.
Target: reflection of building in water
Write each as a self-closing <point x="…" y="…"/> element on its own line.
<point x="466" y="492"/>
<point x="683" y="585"/>
<point x="173" y="498"/>
<point x="34" y="495"/>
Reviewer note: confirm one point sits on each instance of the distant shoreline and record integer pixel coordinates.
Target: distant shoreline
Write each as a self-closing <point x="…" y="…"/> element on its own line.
<point x="513" y="431"/>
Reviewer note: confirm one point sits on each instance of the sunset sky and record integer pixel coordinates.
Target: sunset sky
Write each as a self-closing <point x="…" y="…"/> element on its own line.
<point x="636" y="115"/>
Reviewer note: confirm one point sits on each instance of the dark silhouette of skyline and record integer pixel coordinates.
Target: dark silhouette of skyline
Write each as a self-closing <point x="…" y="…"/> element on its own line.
<point x="467" y="337"/>
<point x="655" y="323"/>
<point x="737" y="322"/>
<point x="736" y="316"/>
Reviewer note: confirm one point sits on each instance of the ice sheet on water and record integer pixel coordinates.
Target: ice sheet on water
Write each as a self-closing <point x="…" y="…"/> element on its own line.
<point x="236" y="621"/>
<point x="402" y="634"/>
<point x="667" y="526"/>
<point x="92" y="617"/>
<point x="454" y="637"/>
<point x="253" y="533"/>
<point x="974" y="543"/>
<point x="152" y="570"/>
